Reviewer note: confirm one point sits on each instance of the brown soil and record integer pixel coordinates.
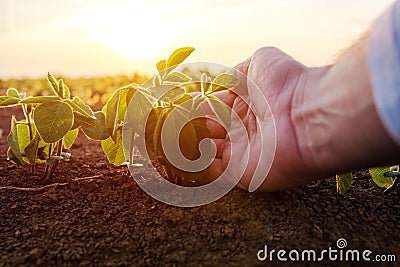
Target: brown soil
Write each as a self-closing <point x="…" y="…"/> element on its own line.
<point x="110" y="221"/>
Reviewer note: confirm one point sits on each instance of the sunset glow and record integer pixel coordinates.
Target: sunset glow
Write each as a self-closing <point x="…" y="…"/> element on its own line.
<point x="135" y="35"/>
<point x="88" y="38"/>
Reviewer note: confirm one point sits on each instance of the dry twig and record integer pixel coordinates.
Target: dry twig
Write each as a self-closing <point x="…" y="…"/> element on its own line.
<point x="42" y="188"/>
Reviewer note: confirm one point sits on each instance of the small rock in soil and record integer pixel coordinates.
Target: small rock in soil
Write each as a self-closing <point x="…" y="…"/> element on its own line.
<point x="54" y="198"/>
<point x="17" y="233"/>
<point x="35" y="253"/>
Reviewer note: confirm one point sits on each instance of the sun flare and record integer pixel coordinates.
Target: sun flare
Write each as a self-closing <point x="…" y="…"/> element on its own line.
<point x="135" y="36"/>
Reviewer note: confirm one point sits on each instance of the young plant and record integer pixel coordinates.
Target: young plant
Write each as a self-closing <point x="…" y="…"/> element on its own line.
<point x="51" y="125"/>
<point x="52" y="122"/>
<point x="164" y="104"/>
<point x="384" y="177"/>
<point x="142" y="112"/>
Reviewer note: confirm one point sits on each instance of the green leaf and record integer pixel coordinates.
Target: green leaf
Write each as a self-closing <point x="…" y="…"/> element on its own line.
<point x="12" y="139"/>
<point x="161" y="65"/>
<point x="148" y="83"/>
<point x="63" y="89"/>
<point x="191" y="151"/>
<point x="220" y="109"/>
<point x="12" y="92"/>
<point x="171" y="124"/>
<point x="39" y="99"/>
<point x="86" y="108"/>
<point x="178" y="56"/>
<point x="184" y="103"/>
<point x="124" y="100"/>
<point x="160" y="114"/>
<point x="111" y="120"/>
<point x="114" y="150"/>
<point x="137" y="113"/>
<point x="140" y="88"/>
<point x="172" y="94"/>
<point x="343" y="182"/>
<point x="70" y="137"/>
<point x="224" y="81"/>
<point x="151" y="133"/>
<point x="23" y="135"/>
<point x="158" y="91"/>
<point x="94" y="129"/>
<point x="11" y="157"/>
<point x="79" y="109"/>
<point x="67" y="92"/>
<point x="53" y="120"/>
<point x="139" y="143"/>
<point x="187" y="141"/>
<point x="178" y="77"/>
<point x="31" y="150"/>
<point x="53" y="83"/>
<point x="7" y="101"/>
<point x="377" y="175"/>
<point x="184" y="98"/>
<point x="128" y="144"/>
<point x="112" y="112"/>
<point x="156" y="80"/>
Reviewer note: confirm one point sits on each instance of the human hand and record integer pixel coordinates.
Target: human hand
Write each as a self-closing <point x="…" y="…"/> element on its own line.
<point x="278" y="78"/>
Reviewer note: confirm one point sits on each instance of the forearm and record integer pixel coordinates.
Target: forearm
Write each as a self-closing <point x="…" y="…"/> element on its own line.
<point x="339" y="128"/>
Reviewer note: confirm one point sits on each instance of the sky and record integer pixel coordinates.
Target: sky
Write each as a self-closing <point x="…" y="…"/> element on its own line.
<point x="106" y="37"/>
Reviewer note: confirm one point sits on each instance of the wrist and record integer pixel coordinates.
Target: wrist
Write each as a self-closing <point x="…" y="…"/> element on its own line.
<point x="336" y="122"/>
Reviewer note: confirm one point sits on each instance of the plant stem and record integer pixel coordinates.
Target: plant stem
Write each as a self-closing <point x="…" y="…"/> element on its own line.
<point x="59" y="151"/>
<point x="131" y="150"/>
<point x="157" y="131"/>
<point x="169" y="172"/>
<point x="59" y="147"/>
<point x="390" y="189"/>
<point x="47" y="166"/>
<point x="29" y="121"/>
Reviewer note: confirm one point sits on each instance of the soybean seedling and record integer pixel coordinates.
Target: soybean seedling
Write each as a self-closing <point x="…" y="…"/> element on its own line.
<point x="50" y="126"/>
<point x="145" y="109"/>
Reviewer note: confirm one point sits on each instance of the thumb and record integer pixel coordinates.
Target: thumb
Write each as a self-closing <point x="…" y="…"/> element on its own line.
<point x="240" y="71"/>
<point x="271" y="68"/>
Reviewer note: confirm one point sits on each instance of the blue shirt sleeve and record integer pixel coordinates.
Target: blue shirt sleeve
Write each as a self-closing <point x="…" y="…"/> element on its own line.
<point x="384" y="67"/>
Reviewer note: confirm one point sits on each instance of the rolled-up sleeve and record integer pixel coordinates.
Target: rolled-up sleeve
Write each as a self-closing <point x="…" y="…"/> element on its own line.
<point x="384" y="67"/>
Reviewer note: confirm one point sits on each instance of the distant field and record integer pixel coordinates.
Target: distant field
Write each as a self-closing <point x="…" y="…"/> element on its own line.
<point x="95" y="91"/>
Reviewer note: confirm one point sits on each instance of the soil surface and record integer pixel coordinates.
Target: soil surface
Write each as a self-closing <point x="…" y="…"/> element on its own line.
<point x="109" y="221"/>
